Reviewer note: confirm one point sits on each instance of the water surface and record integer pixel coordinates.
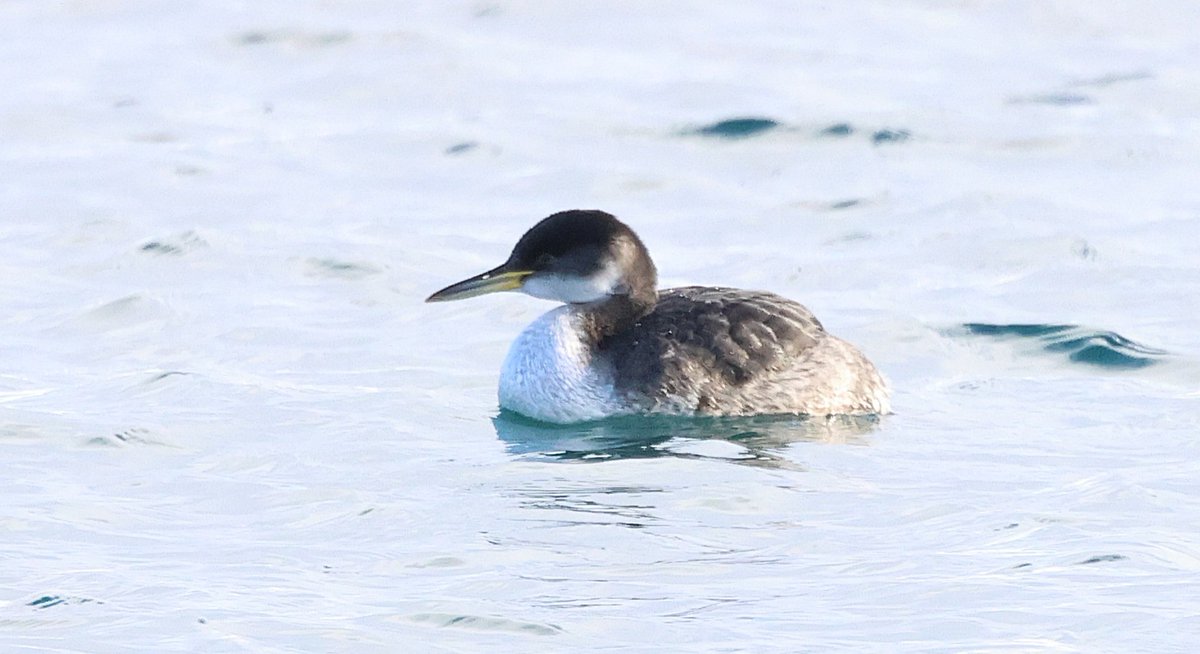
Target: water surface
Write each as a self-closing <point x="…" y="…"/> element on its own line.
<point x="228" y="422"/>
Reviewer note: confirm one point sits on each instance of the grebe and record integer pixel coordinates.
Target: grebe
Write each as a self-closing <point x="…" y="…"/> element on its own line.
<point x="619" y="346"/>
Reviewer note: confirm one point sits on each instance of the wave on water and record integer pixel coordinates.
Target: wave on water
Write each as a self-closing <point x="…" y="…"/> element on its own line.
<point x="1100" y="348"/>
<point x="745" y="127"/>
<point x="736" y="128"/>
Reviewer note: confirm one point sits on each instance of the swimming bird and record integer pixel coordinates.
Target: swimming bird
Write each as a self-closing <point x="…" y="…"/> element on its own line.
<point x="620" y="346"/>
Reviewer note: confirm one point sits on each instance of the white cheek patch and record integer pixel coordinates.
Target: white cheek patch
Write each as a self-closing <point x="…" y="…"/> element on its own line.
<point x="575" y="290"/>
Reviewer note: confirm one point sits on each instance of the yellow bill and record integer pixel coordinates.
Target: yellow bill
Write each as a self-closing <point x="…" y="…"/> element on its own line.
<point x="492" y="281"/>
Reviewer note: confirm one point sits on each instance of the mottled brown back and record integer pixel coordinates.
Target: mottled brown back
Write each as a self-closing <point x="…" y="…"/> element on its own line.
<point x="700" y="337"/>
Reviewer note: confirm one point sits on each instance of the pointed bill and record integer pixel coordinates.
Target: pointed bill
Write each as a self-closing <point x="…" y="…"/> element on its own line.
<point x="492" y="281"/>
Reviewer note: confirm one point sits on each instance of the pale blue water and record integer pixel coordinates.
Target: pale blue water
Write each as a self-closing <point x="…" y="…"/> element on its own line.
<point x="228" y="423"/>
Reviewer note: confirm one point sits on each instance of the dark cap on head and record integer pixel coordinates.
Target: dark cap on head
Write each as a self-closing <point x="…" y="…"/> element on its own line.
<point x="576" y="256"/>
<point x="577" y="240"/>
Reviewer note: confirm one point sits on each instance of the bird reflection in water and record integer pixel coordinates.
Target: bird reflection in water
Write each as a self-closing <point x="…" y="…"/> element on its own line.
<point x="758" y="440"/>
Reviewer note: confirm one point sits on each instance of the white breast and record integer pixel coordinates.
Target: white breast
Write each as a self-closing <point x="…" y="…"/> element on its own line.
<point x="548" y="374"/>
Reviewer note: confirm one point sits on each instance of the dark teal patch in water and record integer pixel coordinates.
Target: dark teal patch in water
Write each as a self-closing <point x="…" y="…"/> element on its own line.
<point x="170" y="373"/>
<point x="1103" y="349"/>
<point x="737" y="128"/>
<point x="838" y="129"/>
<point x="986" y="329"/>
<point x="175" y="246"/>
<point x="159" y="247"/>
<point x="890" y="136"/>
<point x="462" y="148"/>
<point x="1104" y="558"/>
<point x="47" y="601"/>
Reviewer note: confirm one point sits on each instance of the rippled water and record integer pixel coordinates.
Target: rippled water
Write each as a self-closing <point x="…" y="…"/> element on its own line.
<point x="229" y="423"/>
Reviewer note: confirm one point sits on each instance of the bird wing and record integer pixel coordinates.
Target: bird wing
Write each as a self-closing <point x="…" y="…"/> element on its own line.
<point x="698" y="336"/>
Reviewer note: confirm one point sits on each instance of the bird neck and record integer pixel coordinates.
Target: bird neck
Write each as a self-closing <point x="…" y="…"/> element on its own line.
<point x="617" y="313"/>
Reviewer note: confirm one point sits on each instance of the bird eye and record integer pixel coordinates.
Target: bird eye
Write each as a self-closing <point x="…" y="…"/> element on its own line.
<point x="544" y="261"/>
